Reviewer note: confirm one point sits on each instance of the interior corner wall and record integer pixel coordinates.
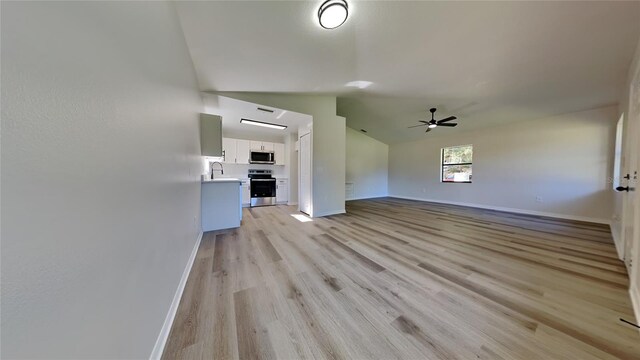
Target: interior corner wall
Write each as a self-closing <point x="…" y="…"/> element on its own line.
<point x="558" y="166"/>
<point x="328" y="165"/>
<point x="367" y="165"/>
<point x="100" y="176"/>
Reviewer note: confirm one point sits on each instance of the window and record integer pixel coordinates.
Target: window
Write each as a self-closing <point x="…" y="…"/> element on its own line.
<point x="456" y="164"/>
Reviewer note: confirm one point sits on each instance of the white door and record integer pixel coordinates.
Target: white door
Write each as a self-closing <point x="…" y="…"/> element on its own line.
<point x="305" y="174"/>
<point x="631" y="202"/>
<point x="279" y="153"/>
<point x="242" y="151"/>
<point x="229" y="150"/>
<point x="630" y="198"/>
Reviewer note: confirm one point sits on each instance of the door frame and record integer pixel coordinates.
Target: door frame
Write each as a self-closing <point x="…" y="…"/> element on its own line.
<point x="302" y="133"/>
<point x="631" y="250"/>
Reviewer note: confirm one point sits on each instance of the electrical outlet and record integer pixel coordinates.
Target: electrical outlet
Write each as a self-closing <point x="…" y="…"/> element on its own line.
<point x="538" y="199"/>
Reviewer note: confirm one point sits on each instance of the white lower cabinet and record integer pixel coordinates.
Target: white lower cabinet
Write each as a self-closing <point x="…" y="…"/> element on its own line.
<point x="220" y="205"/>
<point x="246" y="192"/>
<point x="282" y="191"/>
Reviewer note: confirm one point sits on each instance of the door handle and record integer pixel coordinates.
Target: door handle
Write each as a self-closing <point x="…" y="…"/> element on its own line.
<point x="624" y="188"/>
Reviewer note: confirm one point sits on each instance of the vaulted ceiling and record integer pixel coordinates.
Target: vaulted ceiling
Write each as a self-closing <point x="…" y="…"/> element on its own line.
<point x="486" y="62"/>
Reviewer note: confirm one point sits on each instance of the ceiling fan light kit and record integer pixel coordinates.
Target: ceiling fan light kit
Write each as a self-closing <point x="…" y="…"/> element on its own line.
<point x="433" y="123"/>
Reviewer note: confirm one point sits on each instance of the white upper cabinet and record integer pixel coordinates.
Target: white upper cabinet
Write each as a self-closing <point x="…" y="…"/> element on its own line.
<point x="262" y="146"/>
<point x="229" y="152"/>
<point x="210" y="135"/>
<point x="256" y="145"/>
<point x="236" y="151"/>
<point x="242" y="151"/>
<point x="267" y="146"/>
<point x="279" y="153"/>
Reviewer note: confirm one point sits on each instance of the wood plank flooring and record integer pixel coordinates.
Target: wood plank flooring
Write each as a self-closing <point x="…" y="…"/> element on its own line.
<point x="401" y="279"/>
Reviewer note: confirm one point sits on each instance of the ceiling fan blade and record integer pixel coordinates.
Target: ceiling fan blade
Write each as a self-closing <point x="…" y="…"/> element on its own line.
<point x="428" y="129"/>
<point x="446" y="119"/>
<point x="423" y="121"/>
<point x="416" y="126"/>
<point x="449" y="125"/>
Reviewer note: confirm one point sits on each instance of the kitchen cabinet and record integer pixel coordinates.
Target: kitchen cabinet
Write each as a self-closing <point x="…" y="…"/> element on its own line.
<point x="236" y="151"/>
<point x="282" y="190"/>
<point x="242" y="151"/>
<point x="267" y="146"/>
<point x="210" y="135"/>
<point x="279" y="153"/>
<point x="256" y="145"/>
<point x="246" y="192"/>
<point x="220" y="204"/>
<point x="262" y="146"/>
<point x="229" y="154"/>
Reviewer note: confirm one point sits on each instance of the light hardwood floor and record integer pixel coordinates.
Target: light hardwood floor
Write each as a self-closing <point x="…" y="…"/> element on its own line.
<point x="401" y="279"/>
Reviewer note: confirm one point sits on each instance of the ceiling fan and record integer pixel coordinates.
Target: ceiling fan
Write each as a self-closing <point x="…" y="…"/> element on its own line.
<point x="432" y="124"/>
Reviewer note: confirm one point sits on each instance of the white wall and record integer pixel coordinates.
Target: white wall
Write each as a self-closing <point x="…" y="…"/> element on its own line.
<point x="328" y="143"/>
<point x="566" y="160"/>
<point x="100" y="176"/>
<point x="367" y="165"/>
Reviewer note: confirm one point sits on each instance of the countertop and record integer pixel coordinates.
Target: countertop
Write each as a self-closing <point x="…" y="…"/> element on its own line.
<point x="222" y="180"/>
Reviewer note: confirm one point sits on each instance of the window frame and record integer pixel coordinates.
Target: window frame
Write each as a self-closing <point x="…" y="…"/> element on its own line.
<point x="442" y="165"/>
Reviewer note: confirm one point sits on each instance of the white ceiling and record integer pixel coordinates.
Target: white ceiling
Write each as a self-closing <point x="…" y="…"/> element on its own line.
<point x="485" y="62"/>
<point x="233" y="110"/>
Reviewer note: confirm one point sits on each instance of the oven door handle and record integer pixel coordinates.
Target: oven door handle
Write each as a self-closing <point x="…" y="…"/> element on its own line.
<point x="263" y="180"/>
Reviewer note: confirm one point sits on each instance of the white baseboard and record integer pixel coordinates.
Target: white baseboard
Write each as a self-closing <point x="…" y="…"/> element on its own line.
<point x="327" y="213"/>
<point x="367" y="197"/>
<point x="635" y="302"/>
<point x="158" y="348"/>
<point x="512" y="210"/>
<point x="292" y="203"/>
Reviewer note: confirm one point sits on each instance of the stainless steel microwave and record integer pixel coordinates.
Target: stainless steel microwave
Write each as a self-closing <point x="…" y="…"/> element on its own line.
<point x="262" y="157"/>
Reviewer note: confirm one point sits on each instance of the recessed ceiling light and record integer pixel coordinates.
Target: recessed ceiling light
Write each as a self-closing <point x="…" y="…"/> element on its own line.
<point x="263" y="124"/>
<point x="333" y="13"/>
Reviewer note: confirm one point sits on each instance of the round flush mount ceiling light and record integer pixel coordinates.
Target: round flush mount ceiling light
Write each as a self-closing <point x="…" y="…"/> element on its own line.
<point x="333" y="13"/>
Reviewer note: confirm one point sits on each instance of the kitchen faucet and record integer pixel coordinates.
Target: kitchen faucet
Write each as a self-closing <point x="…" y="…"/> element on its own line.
<point x="212" y="169"/>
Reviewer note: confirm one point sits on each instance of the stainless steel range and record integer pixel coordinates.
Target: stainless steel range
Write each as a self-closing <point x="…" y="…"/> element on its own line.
<point x="263" y="187"/>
